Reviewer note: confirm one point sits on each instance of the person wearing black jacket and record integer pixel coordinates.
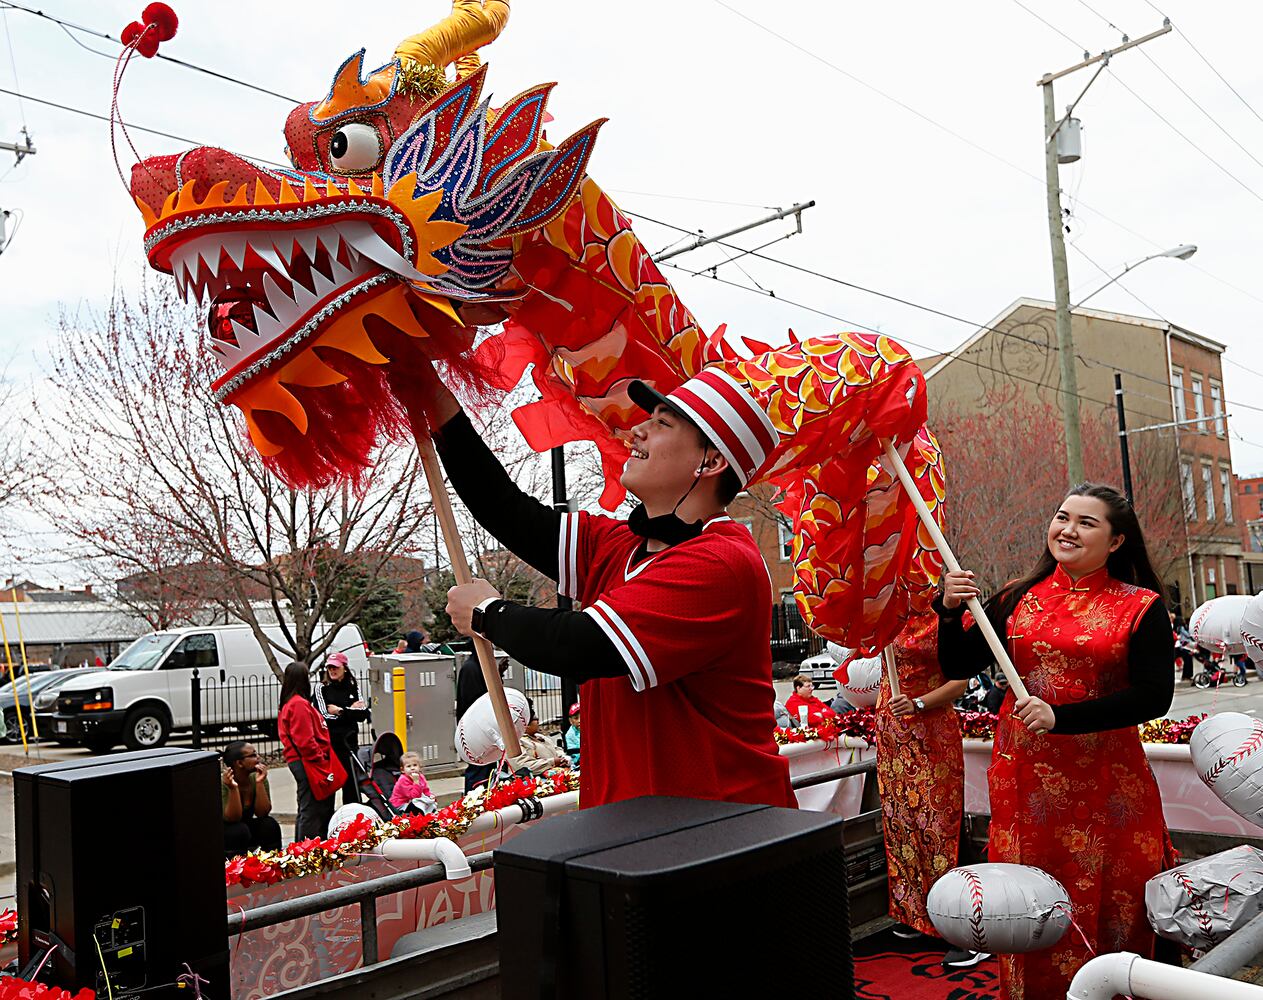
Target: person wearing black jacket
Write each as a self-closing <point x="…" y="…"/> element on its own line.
<point x="338" y="700"/>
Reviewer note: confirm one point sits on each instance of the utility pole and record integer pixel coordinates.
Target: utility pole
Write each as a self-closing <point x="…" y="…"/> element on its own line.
<point x="22" y="149"/>
<point x="569" y="690"/>
<point x="1057" y="237"/>
<point x="1122" y="438"/>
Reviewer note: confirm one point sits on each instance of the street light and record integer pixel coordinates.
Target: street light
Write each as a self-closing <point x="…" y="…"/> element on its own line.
<point x="1183" y="252"/>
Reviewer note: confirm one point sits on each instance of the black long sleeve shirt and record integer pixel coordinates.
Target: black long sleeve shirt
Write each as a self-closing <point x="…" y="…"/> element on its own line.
<point x="1150" y="670"/>
<point x="552" y="640"/>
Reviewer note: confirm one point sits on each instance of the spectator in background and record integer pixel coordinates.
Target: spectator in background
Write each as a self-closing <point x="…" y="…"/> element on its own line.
<point x="840" y="704"/>
<point x="247" y="802"/>
<point x="803" y="698"/>
<point x="412" y="792"/>
<point x="309" y="753"/>
<point x="338" y="701"/>
<point x="996" y="693"/>
<point x="417" y="641"/>
<point x="1184" y="646"/>
<point x="572" y="734"/>
<point x="539" y="753"/>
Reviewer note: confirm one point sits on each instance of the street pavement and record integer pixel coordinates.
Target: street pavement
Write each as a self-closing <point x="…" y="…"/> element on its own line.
<point x="1188" y="701"/>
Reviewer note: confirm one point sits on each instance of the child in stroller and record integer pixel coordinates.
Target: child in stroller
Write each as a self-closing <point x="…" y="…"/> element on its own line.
<point x="381" y="767"/>
<point x="412" y="792"/>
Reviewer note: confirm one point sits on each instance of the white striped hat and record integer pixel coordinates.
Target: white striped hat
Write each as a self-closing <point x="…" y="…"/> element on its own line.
<point x="724" y="411"/>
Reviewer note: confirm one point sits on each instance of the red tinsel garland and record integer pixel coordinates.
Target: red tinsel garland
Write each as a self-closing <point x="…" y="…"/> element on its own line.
<point x="13" y="988"/>
<point x="320" y="855"/>
<point x="8" y="926"/>
<point x="973" y="726"/>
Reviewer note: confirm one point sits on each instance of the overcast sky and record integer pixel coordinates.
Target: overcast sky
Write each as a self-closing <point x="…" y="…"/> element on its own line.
<point x="932" y="193"/>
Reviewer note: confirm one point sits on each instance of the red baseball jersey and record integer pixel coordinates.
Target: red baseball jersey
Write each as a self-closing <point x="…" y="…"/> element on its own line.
<point x="693" y="718"/>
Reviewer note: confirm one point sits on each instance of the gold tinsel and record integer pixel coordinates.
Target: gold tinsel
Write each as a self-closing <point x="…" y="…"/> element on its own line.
<point x="420" y="80"/>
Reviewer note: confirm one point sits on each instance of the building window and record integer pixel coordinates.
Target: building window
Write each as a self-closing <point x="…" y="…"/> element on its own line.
<point x="748" y="525"/>
<point x="1225" y="484"/>
<point x="1246" y="489"/>
<point x="1177" y="392"/>
<point x="785" y="535"/>
<point x="1199" y="403"/>
<point x="1190" y="496"/>
<point x="1208" y="485"/>
<point x="1255" y="531"/>
<point x="1217" y="406"/>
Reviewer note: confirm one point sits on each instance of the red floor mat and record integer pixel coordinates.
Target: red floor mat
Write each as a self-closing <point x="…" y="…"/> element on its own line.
<point x="888" y="968"/>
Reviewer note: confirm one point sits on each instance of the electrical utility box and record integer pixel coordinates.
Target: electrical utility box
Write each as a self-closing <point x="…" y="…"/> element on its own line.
<point x="429" y="699"/>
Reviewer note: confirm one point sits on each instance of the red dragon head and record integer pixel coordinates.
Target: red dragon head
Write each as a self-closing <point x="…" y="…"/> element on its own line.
<point x="406" y="198"/>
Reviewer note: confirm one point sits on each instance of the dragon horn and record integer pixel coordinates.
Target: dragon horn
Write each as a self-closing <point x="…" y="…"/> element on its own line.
<point x="456" y="39"/>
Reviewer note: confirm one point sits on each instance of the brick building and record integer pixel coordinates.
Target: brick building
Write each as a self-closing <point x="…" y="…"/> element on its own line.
<point x="1250" y="515"/>
<point x="1171" y="377"/>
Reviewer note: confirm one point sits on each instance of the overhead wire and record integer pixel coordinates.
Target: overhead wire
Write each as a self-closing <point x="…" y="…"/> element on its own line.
<point x="70" y="25"/>
<point x="14" y="64"/>
<point x="870" y="329"/>
<point x="973" y="145"/>
<point x="1086" y="359"/>
<point x="1209" y="64"/>
<point x="138" y="128"/>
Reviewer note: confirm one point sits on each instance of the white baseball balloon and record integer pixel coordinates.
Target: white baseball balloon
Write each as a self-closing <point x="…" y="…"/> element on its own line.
<point x="1227" y="751"/>
<point x="999" y="908"/>
<point x="1217" y="623"/>
<point x="477" y="735"/>
<point x="860" y="682"/>
<point x="1252" y="629"/>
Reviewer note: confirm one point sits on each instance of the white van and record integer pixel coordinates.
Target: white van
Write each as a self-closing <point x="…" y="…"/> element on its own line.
<point x="145" y="695"/>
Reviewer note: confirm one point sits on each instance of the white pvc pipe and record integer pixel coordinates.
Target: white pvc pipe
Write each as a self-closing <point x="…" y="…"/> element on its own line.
<point x="1106" y="976"/>
<point x="455" y="864"/>
<point x="512" y="815"/>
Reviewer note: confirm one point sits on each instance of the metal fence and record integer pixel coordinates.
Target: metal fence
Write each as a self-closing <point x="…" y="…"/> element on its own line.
<point x="792" y="638"/>
<point x="245" y="708"/>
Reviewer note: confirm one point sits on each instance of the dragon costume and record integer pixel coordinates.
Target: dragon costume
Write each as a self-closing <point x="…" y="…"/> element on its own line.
<point x="414" y="211"/>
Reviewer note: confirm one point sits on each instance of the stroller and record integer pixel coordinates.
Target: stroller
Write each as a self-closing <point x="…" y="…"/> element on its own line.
<point x="378" y="768"/>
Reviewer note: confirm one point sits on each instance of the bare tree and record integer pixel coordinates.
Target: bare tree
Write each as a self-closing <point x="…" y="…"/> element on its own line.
<point x="1006" y="471"/>
<point x="157" y="482"/>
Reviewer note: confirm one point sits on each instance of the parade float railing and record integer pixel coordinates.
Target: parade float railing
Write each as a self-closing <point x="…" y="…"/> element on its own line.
<point x="364" y="894"/>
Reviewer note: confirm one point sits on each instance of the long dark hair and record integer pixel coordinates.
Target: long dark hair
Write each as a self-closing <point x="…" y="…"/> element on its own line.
<point x="295" y="681"/>
<point x="1129" y="563"/>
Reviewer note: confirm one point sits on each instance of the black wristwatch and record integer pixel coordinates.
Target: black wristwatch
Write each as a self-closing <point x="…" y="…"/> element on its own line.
<point x="477" y="619"/>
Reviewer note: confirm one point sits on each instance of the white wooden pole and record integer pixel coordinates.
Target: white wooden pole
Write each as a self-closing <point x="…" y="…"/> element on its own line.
<point x="949" y="560"/>
<point x="888" y="655"/>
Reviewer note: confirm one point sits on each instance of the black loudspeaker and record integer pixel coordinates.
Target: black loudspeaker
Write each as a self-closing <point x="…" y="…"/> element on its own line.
<point x="663" y="897"/>
<point x="120" y="870"/>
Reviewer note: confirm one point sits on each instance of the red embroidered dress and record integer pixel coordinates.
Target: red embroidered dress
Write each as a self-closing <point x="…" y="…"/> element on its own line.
<point x="920" y="774"/>
<point x="1084" y="808"/>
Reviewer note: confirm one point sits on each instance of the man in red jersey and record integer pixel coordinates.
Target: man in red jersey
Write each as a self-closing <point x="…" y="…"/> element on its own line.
<point x="673" y="645"/>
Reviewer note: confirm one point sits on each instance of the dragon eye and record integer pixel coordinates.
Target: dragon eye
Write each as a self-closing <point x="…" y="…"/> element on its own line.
<point x="354" y="148"/>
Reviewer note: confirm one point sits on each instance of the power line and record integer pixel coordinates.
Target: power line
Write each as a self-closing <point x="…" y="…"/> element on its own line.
<point x="1209" y="64"/>
<point x="973" y="145"/>
<point x="1051" y="26"/>
<point x="1166" y="121"/>
<point x="937" y="312"/>
<point x="13" y="62"/>
<point x="138" y="128"/>
<point x="861" y="326"/>
<point x="70" y="25"/>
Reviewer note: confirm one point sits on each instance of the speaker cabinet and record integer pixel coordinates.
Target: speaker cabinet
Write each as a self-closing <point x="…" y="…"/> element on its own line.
<point x="120" y="865"/>
<point x="660" y="897"/>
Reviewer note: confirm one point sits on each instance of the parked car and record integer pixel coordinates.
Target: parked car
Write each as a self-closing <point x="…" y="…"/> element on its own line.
<point x="14" y="698"/>
<point x="820" y="669"/>
<point x="145" y="694"/>
<point x="46" y="701"/>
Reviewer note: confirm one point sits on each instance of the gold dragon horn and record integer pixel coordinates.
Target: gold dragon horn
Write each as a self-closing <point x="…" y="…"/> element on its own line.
<point x="456" y="39"/>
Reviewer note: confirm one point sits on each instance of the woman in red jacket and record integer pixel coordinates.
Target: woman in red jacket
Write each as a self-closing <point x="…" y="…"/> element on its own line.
<point x="309" y="754"/>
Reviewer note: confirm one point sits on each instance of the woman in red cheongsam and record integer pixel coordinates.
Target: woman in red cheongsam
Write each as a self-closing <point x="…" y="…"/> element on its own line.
<point x="1071" y="789"/>
<point x="920" y="773"/>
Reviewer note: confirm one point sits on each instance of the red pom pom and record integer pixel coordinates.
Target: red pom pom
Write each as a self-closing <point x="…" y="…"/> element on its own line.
<point x="131" y="33"/>
<point x="162" y="18"/>
<point x="148" y="44"/>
